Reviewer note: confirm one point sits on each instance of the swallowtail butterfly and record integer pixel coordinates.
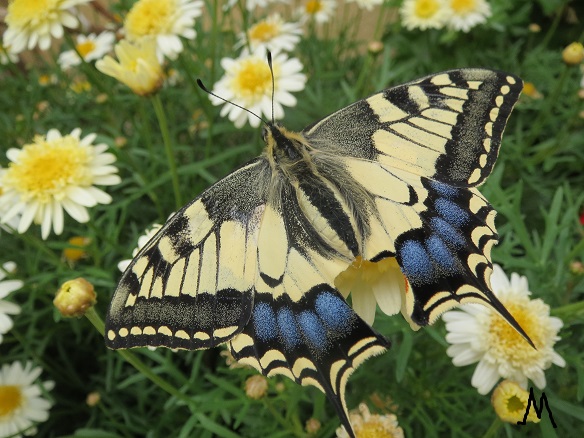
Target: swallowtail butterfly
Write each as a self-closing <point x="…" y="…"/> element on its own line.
<point x="251" y="261"/>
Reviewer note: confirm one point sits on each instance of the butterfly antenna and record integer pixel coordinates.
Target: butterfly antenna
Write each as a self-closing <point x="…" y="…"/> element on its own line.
<point x="206" y="90"/>
<point x="269" y="56"/>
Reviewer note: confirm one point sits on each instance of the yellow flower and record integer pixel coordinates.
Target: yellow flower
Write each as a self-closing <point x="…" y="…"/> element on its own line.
<point x="32" y="22"/>
<point x="510" y="402"/>
<point x="76" y="251"/>
<point x="256" y="387"/>
<point x="138" y="66"/>
<point x="80" y="85"/>
<point x="165" y="21"/>
<point x="529" y="90"/>
<point x="375" y="283"/>
<point x="75" y="297"/>
<point x="52" y="174"/>
<point x="367" y="425"/>
<point x="573" y="54"/>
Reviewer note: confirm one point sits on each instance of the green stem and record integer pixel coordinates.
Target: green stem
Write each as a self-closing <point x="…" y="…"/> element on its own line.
<point x="133" y="360"/>
<point x="494" y="428"/>
<point x="159" y="110"/>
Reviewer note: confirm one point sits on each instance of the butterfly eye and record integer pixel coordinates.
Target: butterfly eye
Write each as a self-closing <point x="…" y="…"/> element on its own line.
<point x="265" y="133"/>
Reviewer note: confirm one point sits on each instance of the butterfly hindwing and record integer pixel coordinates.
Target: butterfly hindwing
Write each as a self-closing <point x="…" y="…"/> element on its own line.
<point x="318" y="341"/>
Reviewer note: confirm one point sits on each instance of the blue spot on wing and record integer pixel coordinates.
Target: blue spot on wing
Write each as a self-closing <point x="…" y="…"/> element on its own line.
<point x="451" y="212"/>
<point x="440" y="253"/>
<point x="264" y="322"/>
<point x="335" y="312"/>
<point x="447" y="232"/>
<point x="313" y="330"/>
<point x="445" y="190"/>
<point x="288" y="329"/>
<point x="415" y="262"/>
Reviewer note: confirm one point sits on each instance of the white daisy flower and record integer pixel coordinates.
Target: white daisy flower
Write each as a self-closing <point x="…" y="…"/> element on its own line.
<point x="424" y="14"/>
<point x="367" y="4"/>
<point x="54" y="173"/>
<point x="6" y="307"/>
<point x="271" y="33"/>
<point x="318" y="10"/>
<point x="366" y="424"/>
<point x="32" y="23"/>
<point x="466" y="14"/>
<point x="142" y="240"/>
<point x="165" y="20"/>
<point x="248" y="82"/>
<point x="7" y="56"/>
<point x="479" y="334"/>
<point x="91" y="47"/>
<point x="22" y="405"/>
<point x="138" y="66"/>
<point x="373" y="284"/>
<point x="250" y="5"/>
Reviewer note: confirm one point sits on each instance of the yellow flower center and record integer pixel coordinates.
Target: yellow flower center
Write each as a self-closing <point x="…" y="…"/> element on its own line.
<point x="507" y="343"/>
<point x="426" y="8"/>
<point x="23" y="12"/>
<point x="373" y="428"/>
<point x="364" y="271"/>
<point x="461" y="7"/>
<point x="45" y="169"/>
<point x="514" y="404"/>
<point x="85" y="48"/>
<point x="11" y="399"/>
<point x="254" y="78"/>
<point x="529" y="89"/>
<point x="263" y="31"/>
<point x="80" y="86"/>
<point x="77" y="251"/>
<point x="313" y="6"/>
<point x="150" y="17"/>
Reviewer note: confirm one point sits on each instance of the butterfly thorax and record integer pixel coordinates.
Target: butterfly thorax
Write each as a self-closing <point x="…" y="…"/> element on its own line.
<point x="285" y="149"/>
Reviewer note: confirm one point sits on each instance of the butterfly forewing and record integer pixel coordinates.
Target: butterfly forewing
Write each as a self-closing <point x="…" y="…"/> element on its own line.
<point x="417" y="150"/>
<point x="192" y="285"/>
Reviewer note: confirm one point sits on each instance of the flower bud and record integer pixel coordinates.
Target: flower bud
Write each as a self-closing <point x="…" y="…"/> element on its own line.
<point x="573" y="54"/>
<point x="256" y="387"/>
<point x="75" y="297"/>
<point x="510" y="402"/>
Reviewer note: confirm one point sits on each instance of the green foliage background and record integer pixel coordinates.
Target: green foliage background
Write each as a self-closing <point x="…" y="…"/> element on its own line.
<point x="536" y="188"/>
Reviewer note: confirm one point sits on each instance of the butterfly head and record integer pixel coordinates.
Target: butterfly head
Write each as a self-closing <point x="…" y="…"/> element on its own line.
<point x="283" y="147"/>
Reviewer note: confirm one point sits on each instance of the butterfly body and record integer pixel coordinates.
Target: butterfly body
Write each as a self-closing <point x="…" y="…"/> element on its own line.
<point x="252" y="261"/>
